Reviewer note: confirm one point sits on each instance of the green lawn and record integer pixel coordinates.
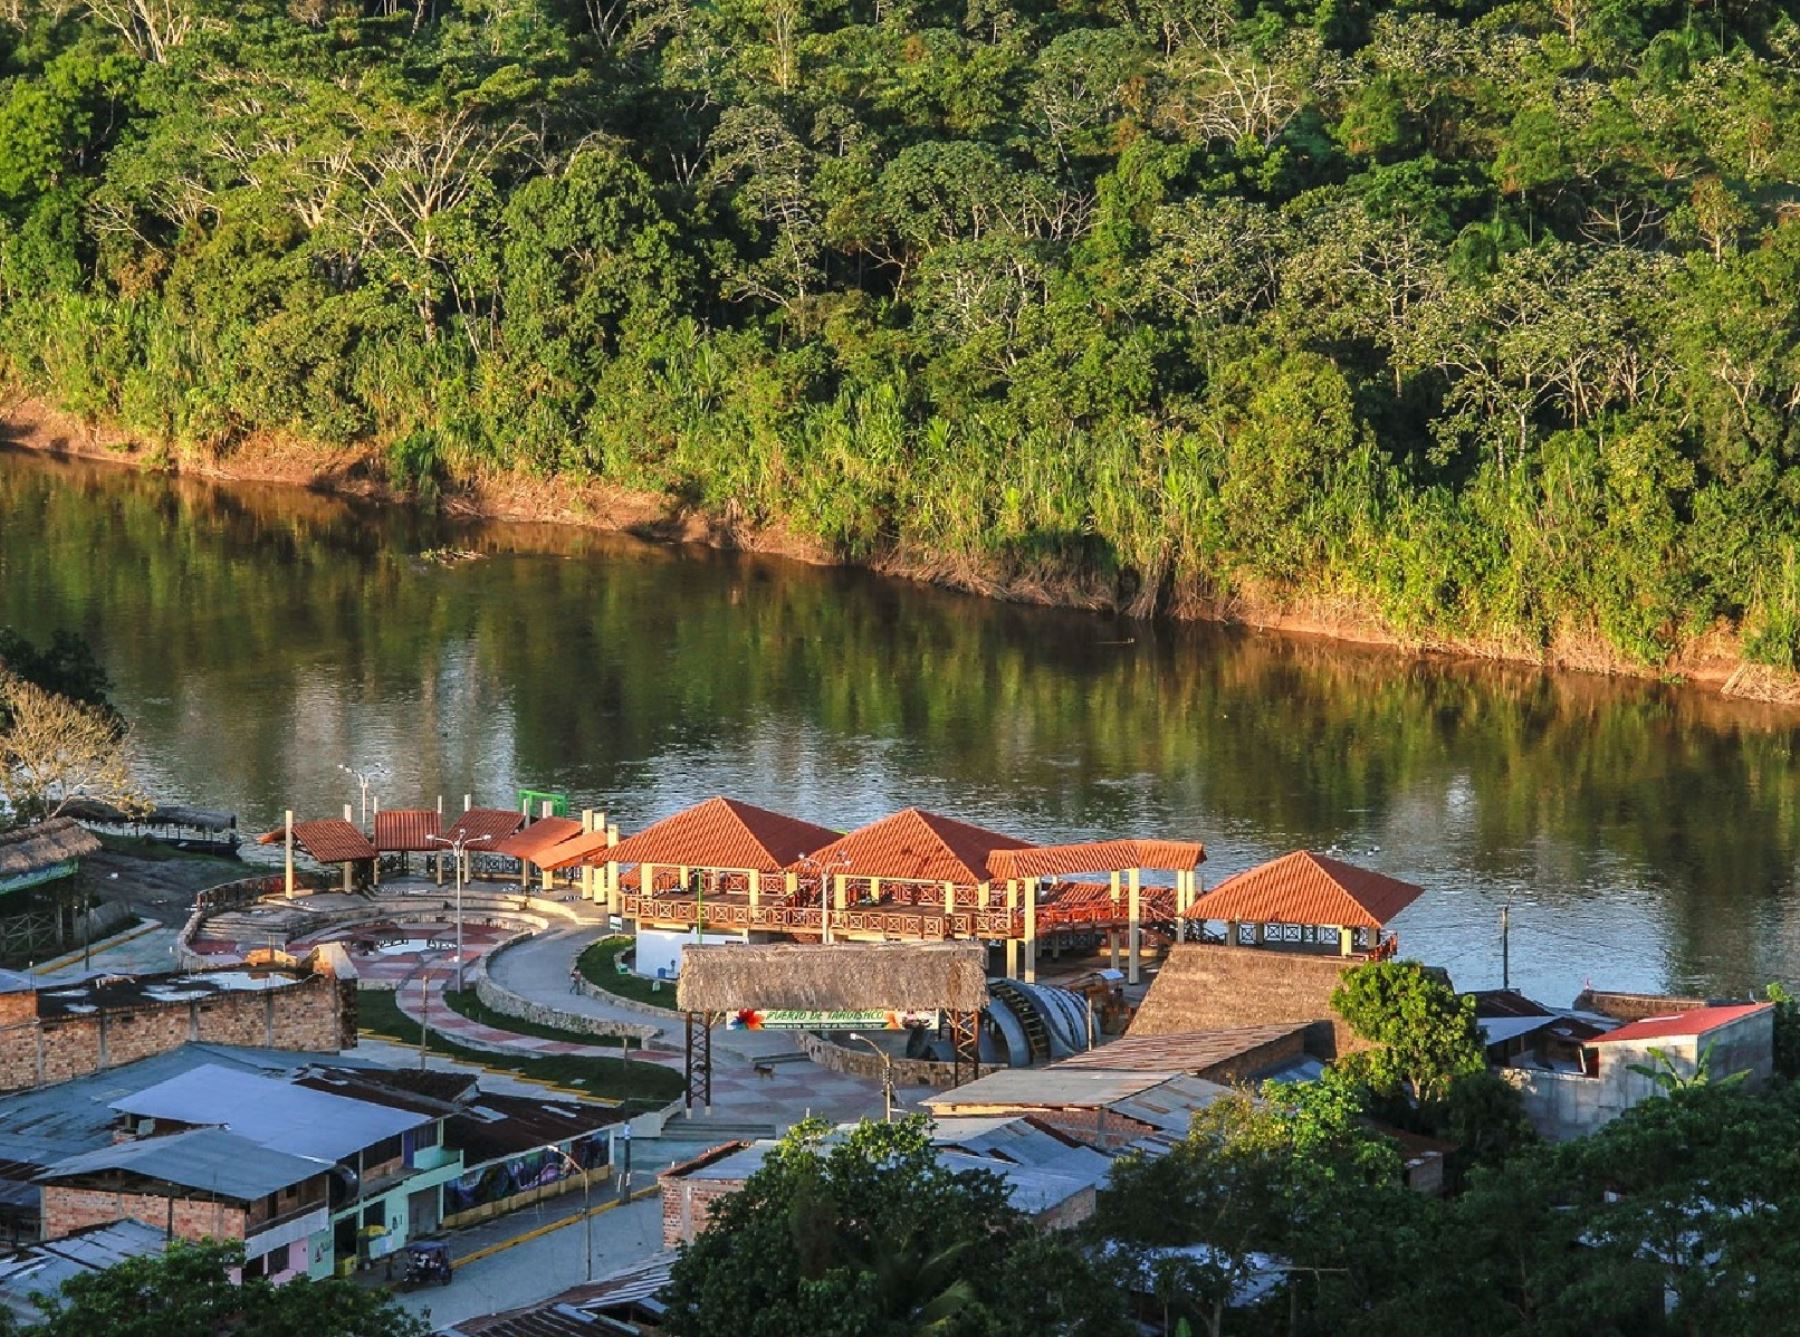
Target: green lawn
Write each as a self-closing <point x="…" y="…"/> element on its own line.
<point x="155" y="851"/>
<point x="467" y="1004"/>
<point x="599" y="969"/>
<point x="637" y="1083"/>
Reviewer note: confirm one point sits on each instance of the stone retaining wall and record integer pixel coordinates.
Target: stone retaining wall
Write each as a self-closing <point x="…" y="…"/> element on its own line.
<point x="861" y="1062"/>
<point x="510" y="1004"/>
<point x="588" y="989"/>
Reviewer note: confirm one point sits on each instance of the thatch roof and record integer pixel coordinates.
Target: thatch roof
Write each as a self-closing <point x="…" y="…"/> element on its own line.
<point x="30" y="849"/>
<point x="1205" y="986"/>
<point x="844" y="977"/>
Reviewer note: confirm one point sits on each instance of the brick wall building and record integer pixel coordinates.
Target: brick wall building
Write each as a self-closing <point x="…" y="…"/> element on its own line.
<point x="52" y="1035"/>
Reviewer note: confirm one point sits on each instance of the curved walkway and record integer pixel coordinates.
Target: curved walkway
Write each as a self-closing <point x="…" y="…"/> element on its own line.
<point x="538" y="969"/>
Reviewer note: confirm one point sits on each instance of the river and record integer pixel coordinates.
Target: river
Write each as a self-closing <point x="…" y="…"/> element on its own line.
<point x="259" y="637"/>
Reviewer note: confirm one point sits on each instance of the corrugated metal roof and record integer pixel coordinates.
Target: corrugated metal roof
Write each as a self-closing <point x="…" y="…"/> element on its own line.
<point x="1097" y="856"/>
<point x="270" y="1112"/>
<point x="406" y="830"/>
<point x="1180" y="1051"/>
<point x="724" y="833"/>
<point x="1696" y="1022"/>
<point x="1307" y="888"/>
<point x="1060" y="1084"/>
<point x="494" y="823"/>
<point x="44" y="1126"/>
<point x="207" y="1158"/>
<point x="543" y="834"/>
<point x="914" y="845"/>
<point x="43" y="1268"/>
<point x="330" y="840"/>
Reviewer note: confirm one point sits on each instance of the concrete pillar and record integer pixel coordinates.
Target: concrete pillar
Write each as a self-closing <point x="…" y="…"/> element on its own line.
<point x="1031" y="938"/>
<point x="1181" y="905"/>
<point x="981" y="894"/>
<point x="646" y="879"/>
<point x="1135" y="942"/>
<point x="840" y="892"/>
<point x="949" y="898"/>
<point x="790" y="885"/>
<point x="755" y="888"/>
<point x="1346" y="942"/>
<point x="612" y="872"/>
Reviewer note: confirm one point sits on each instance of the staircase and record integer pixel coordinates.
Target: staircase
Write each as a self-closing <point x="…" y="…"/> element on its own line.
<point x="1037" y="1038"/>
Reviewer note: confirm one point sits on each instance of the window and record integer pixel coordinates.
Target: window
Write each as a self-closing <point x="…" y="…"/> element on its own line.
<point x="426" y="1135"/>
<point x="375" y="1214"/>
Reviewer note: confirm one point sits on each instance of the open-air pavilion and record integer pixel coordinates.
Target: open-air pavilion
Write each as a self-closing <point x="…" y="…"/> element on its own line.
<point x="818" y="982"/>
<point x="1307" y="902"/>
<point x="531" y="844"/>
<point x="914" y="876"/>
<point x="331" y="840"/>
<point x="721" y="851"/>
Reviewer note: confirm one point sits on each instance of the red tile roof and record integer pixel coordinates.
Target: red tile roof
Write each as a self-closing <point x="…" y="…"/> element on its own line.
<point x="578" y="848"/>
<point x="1681" y="1025"/>
<point x="917" y="845"/>
<point x="494" y="823"/>
<point x="332" y="840"/>
<point x="541" y="835"/>
<point x="1303" y="888"/>
<point x="1097" y="856"/>
<point x="723" y="833"/>
<point x="398" y="830"/>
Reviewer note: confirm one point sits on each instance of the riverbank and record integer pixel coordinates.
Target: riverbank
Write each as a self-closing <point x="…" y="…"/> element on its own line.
<point x="1712" y="661"/>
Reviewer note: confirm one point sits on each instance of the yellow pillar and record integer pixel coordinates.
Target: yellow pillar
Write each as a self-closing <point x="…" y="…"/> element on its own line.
<point x="1135" y="941"/>
<point x="1112" y="934"/>
<point x="612" y="873"/>
<point x="790" y="885"/>
<point x="949" y="898"/>
<point x="1031" y="945"/>
<point x="1012" y="943"/>
<point x="875" y="890"/>
<point x="1181" y="905"/>
<point x="981" y="894"/>
<point x="1346" y="941"/>
<point x="646" y="881"/>
<point x="586" y="873"/>
<point x="840" y="891"/>
<point x="755" y="888"/>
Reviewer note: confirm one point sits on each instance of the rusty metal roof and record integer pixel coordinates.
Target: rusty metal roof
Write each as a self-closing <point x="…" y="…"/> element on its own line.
<point x="1693" y="1023"/>
<point x="1097" y="856"/>
<point x="915" y="845"/>
<point x="330" y="840"/>
<point x="1306" y="888"/>
<point x="402" y="830"/>
<point x="494" y="823"/>
<point x="1181" y="1051"/>
<point x="541" y="835"/>
<point x="723" y="833"/>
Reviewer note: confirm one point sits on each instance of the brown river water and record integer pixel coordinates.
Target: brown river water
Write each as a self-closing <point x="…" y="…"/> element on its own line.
<point x="259" y="637"/>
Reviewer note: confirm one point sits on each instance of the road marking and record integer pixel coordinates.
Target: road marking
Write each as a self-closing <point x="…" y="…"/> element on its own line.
<point x="538" y="1232"/>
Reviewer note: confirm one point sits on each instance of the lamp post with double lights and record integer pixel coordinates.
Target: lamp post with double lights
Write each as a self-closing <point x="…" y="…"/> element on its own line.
<point x="458" y="848"/>
<point x="365" y="779"/>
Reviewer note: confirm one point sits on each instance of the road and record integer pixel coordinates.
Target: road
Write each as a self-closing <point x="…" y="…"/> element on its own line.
<point x="531" y="1272"/>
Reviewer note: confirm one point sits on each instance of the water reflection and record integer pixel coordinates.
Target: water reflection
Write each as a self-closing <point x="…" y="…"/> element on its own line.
<point x="261" y="636"/>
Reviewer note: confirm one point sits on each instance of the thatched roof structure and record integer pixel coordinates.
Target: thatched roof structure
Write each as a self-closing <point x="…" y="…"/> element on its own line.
<point x="844" y="977"/>
<point x="31" y="849"/>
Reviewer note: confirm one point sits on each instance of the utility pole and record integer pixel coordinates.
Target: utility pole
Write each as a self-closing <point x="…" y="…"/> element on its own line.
<point x="458" y="847"/>
<point x="1506" y="945"/>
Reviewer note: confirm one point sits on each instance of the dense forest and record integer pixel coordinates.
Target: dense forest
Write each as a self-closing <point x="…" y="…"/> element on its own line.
<point x="1473" y="319"/>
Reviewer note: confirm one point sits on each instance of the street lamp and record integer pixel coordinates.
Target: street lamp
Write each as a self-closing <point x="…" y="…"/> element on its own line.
<point x="458" y="848"/>
<point x="422" y="970"/>
<point x="887" y="1074"/>
<point x="363" y="778"/>
<point x="587" y="1217"/>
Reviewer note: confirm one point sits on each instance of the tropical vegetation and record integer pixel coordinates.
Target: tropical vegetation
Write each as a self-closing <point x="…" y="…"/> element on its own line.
<point x="1472" y="319"/>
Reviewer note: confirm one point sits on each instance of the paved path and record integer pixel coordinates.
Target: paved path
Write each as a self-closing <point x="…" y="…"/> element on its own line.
<point x="538" y="968"/>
